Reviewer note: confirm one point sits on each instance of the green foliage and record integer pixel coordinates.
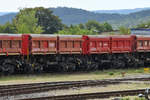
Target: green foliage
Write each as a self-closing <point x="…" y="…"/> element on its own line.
<point x="90" y="28"/>
<point x="124" y="30"/>
<point x="7" y="28"/>
<point x="92" y="24"/>
<point x="144" y="25"/>
<point x="111" y="73"/>
<point x="107" y="27"/>
<point x="26" y="22"/>
<point x="76" y="30"/>
<point x="37" y="20"/>
<point x="50" y="23"/>
<point x="81" y="26"/>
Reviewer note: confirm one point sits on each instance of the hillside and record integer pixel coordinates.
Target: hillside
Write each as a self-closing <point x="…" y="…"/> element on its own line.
<point x="4" y="13"/>
<point x="122" y="11"/>
<point x="7" y="17"/>
<point x="76" y="16"/>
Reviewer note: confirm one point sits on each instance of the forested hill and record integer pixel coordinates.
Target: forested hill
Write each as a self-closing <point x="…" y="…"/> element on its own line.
<point x="122" y="11"/>
<point x="76" y="16"/>
<point x="7" y="17"/>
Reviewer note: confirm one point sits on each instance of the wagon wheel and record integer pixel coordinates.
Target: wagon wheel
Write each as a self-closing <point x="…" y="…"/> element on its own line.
<point x="132" y="64"/>
<point x="71" y="67"/>
<point x="67" y="67"/>
<point x="28" y="69"/>
<point x="92" y="66"/>
<point x="0" y="68"/>
<point x="8" y="69"/>
<point x="38" y="68"/>
<point x="140" y="63"/>
<point x="63" y="67"/>
<point x="95" y="66"/>
<point x="118" y="64"/>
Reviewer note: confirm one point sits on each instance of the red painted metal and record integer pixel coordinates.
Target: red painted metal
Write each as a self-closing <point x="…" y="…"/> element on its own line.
<point x="44" y="44"/>
<point x="121" y="43"/>
<point x="143" y="43"/>
<point x="99" y="44"/>
<point x="10" y="44"/>
<point x="25" y="44"/>
<point x="85" y="44"/>
<point x="70" y="44"/>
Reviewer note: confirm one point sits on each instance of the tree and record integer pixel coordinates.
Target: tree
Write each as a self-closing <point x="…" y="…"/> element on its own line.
<point x="76" y="30"/>
<point x="37" y="20"/>
<point x="26" y="22"/>
<point x="89" y="28"/>
<point x="107" y="27"/>
<point x="124" y="30"/>
<point x="49" y="22"/>
<point x="7" y="28"/>
<point x="144" y="25"/>
<point x="82" y="26"/>
<point x="94" y="25"/>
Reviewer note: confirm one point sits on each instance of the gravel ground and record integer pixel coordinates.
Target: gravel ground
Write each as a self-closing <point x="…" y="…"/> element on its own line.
<point x="80" y="91"/>
<point x="134" y="85"/>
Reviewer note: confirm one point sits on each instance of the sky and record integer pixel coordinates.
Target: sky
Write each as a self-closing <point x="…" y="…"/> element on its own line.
<point x="15" y="5"/>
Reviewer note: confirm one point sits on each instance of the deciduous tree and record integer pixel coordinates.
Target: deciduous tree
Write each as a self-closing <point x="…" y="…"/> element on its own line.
<point x="26" y="22"/>
<point x="49" y="22"/>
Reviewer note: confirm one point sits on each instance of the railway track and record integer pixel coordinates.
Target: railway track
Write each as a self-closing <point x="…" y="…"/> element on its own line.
<point x="92" y="95"/>
<point x="9" y="90"/>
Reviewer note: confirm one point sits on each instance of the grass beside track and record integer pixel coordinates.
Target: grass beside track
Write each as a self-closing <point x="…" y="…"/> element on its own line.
<point x="125" y="98"/>
<point x="74" y="76"/>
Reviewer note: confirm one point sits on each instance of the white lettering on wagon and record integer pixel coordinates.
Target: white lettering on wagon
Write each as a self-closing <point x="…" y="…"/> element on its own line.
<point x="51" y="44"/>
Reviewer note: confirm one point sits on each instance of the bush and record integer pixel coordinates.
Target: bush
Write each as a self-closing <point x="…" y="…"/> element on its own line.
<point x="111" y="73"/>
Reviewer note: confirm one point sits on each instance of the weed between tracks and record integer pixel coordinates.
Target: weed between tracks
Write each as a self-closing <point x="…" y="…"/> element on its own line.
<point x="74" y="76"/>
<point x="133" y="98"/>
<point x="117" y="87"/>
<point x="125" y="98"/>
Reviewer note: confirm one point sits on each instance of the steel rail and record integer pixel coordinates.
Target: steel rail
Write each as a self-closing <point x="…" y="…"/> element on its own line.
<point x="64" y="82"/>
<point x="91" y="95"/>
<point x="42" y="87"/>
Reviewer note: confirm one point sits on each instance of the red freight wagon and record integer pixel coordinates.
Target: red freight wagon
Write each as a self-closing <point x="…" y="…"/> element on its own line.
<point x="143" y="43"/>
<point x="10" y="44"/>
<point x="43" y="44"/>
<point x="69" y="44"/>
<point x="122" y="43"/>
<point x="99" y="44"/>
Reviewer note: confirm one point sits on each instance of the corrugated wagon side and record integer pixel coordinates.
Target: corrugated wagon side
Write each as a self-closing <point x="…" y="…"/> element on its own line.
<point x="70" y="44"/>
<point x="121" y="44"/>
<point x="99" y="44"/>
<point x="10" y="44"/>
<point x="143" y="43"/>
<point x="43" y="44"/>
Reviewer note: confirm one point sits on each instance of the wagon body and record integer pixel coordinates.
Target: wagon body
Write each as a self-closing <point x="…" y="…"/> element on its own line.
<point x="143" y="43"/>
<point x="99" y="44"/>
<point x="70" y="44"/>
<point x="43" y="44"/>
<point x="10" y="44"/>
<point x="122" y="43"/>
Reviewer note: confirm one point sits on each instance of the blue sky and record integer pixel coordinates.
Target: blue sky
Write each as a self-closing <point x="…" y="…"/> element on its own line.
<point x="15" y="5"/>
